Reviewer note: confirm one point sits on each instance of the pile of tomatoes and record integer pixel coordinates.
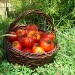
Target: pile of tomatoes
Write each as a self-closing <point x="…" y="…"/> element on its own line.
<point x="32" y="40"/>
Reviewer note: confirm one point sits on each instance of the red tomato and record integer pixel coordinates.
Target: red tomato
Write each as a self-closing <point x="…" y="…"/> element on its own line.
<point x="13" y="38"/>
<point x="27" y="50"/>
<point x="32" y="27"/>
<point x="46" y="44"/>
<point x="41" y="33"/>
<point x="44" y="34"/>
<point x="21" y="32"/>
<point x="49" y="35"/>
<point x="45" y="38"/>
<point x="38" y="49"/>
<point x="35" y="35"/>
<point x="27" y="42"/>
<point x="17" y="45"/>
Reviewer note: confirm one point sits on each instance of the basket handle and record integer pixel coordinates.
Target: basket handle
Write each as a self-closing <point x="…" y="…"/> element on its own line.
<point x="30" y="12"/>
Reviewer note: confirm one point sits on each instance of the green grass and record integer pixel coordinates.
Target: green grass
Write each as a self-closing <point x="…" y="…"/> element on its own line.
<point x="64" y="61"/>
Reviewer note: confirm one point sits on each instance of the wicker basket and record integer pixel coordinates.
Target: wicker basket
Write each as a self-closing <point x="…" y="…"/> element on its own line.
<point x="29" y="59"/>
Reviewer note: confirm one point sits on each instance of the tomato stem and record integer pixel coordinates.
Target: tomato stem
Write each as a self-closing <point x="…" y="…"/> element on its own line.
<point x="35" y="34"/>
<point x="49" y="41"/>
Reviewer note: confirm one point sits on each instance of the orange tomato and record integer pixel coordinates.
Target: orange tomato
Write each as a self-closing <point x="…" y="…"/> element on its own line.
<point x="37" y="49"/>
<point x="35" y="35"/>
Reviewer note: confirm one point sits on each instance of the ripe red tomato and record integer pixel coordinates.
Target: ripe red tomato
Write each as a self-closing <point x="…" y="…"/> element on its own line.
<point x="32" y="27"/>
<point x="35" y="35"/>
<point x="49" y="35"/>
<point x="44" y="35"/>
<point x="38" y="49"/>
<point x="17" y="45"/>
<point x="46" y="44"/>
<point x="21" y="32"/>
<point x="27" y="42"/>
<point x="41" y="33"/>
<point x="27" y="50"/>
<point x="13" y="38"/>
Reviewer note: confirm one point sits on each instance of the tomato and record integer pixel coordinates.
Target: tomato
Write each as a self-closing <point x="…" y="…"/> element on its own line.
<point x="35" y="45"/>
<point x="21" y="32"/>
<point x="45" y="38"/>
<point x="44" y="35"/>
<point x="41" y="33"/>
<point x="27" y="50"/>
<point x="38" y="49"/>
<point x="49" y="35"/>
<point x="27" y="42"/>
<point x="13" y="38"/>
<point x="35" y="35"/>
<point x="17" y="45"/>
<point x="46" y="44"/>
<point x="32" y="27"/>
<point x="31" y="33"/>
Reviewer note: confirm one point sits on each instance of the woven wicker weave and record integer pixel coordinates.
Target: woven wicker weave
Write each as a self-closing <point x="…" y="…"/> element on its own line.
<point x="29" y="59"/>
